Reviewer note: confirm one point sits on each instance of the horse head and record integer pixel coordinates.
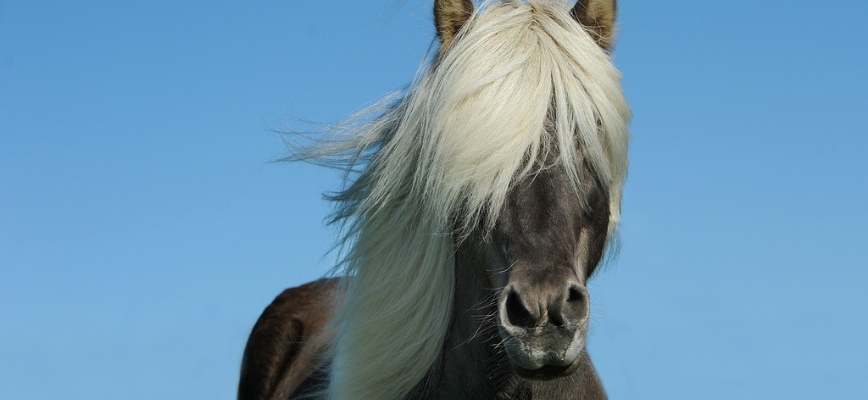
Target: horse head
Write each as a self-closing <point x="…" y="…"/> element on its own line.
<point x="550" y="231"/>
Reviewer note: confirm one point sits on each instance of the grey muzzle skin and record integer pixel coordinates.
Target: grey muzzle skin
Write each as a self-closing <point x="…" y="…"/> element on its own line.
<point x="543" y="327"/>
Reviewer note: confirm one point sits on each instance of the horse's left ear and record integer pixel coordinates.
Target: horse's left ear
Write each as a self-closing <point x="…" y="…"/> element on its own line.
<point x="449" y="17"/>
<point x="599" y="17"/>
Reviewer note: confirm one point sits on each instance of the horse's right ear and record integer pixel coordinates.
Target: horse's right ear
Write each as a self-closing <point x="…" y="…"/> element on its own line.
<point x="449" y="17"/>
<point x="599" y="17"/>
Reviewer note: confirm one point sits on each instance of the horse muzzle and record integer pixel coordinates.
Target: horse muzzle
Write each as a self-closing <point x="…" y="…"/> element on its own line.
<point x="543" y="332"/>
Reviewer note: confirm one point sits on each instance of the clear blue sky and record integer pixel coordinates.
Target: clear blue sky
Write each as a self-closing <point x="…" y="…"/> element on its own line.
<point x="143" y="227"/>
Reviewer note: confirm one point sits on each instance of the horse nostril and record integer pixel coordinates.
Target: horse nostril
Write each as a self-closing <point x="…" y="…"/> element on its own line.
<point x="575" y="295"/>
<point x="516" y="313"/>
<point x="575" y="307"/>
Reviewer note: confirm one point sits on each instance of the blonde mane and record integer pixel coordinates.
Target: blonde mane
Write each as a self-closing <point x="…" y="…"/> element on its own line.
<point x="520" y="78"/>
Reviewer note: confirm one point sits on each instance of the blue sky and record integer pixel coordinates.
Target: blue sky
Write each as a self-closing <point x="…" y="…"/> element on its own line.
<point x="143" y="226"/>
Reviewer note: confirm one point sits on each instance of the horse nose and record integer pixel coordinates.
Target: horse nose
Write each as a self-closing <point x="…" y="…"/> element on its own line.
<point x="564" y="305"/>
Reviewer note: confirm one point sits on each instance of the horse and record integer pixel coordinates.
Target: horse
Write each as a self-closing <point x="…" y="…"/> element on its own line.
<point x="477" y="205"/>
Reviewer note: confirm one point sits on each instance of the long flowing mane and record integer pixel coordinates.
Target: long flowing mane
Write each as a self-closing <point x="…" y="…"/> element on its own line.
<point x="522" y="82"/>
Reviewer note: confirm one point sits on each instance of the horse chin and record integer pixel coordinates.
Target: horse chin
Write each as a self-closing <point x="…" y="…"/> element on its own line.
<point x="546" y="373"/>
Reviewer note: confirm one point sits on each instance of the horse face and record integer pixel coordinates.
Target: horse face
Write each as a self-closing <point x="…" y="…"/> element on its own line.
<point x="546" y="243"/>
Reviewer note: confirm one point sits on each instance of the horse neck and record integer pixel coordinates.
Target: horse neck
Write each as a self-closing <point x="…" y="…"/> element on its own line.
<point x="469" y="365"/>
<point x="473" y="366"/>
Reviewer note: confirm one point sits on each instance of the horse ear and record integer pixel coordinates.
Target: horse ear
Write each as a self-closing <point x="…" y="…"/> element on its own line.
<point x="599" y="17"/>
<point x="449" y="17"/>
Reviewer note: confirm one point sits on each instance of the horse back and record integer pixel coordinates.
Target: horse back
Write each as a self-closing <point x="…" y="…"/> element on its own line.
<point x="285" y="347"/>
